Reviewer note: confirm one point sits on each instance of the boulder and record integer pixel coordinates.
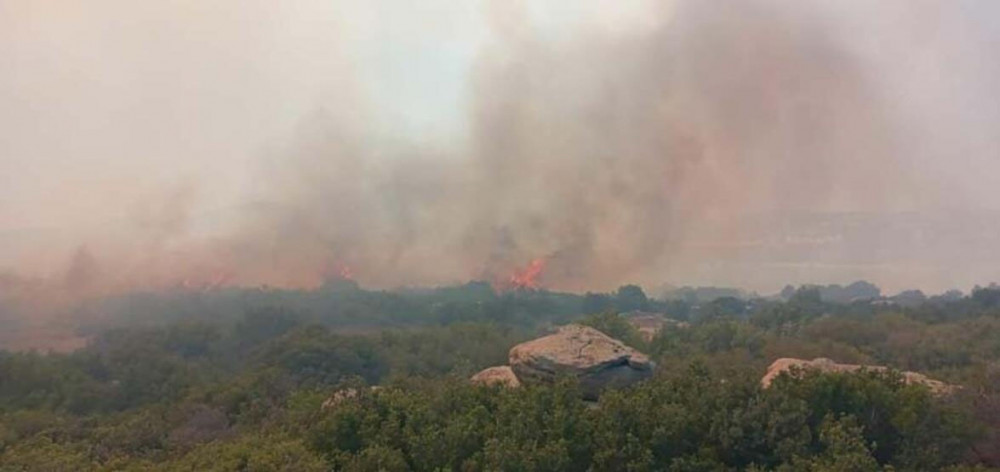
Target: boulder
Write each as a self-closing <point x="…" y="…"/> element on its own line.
<point x="646" y="324"/>
<point x="649" y="324"/>
<point x="594" y="358"/>
<point x="826" y="365"/>
<point x="340" y="396"/>
<point x="502" y="375"/>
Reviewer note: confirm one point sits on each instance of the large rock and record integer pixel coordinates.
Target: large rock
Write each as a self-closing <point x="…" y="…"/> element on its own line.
<point x="341" y="396"/>
<point x="823" y="364"/>
<point x="597" y="360"/>
<point x="649" y="324"/>
<point x="502" y="375"/>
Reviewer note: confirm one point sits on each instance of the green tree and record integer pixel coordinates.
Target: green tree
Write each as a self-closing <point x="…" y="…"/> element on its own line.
<point x="631" y="298"/>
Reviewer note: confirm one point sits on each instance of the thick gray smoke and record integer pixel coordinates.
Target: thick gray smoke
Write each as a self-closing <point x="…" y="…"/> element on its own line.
<point x="751" y="143"/>
<point x="691" y="147"/>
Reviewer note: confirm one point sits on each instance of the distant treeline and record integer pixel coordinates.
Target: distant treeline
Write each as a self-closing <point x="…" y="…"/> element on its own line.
<point x="344" y="304"/>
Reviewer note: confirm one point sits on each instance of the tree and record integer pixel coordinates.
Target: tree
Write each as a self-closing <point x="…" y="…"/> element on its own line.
<point x="844" y="450"/>
<point x="722" y="308"/>
<point x="631" y="298"/>
<point x="596" y="303"/>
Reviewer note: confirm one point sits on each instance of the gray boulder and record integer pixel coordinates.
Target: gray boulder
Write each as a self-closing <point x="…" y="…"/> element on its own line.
<point x="344" y="395"/>
<point x="502" y="375"/>
<point x="822" y="364"/>
<point x="598" y="361"/>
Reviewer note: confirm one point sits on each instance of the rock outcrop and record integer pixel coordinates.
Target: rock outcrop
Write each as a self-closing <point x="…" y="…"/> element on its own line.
<point x="340" y="396"/>
<point x="595" y="359"/>
<point x="826" y="365"/>
<point x="649" y="324"/>
<point x="502" y="375"/>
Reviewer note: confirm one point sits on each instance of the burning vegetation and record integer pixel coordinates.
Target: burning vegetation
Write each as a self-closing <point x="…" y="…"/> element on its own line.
<point x="529" y="277"/>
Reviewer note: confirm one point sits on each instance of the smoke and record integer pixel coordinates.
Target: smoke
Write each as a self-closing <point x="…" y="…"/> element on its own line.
<point x="663" y="152"/>
<point x="687" y="141"/>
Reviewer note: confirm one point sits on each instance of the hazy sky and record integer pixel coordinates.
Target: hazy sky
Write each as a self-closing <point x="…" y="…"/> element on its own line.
<point x="157" y="122"/>
<point x="105" y="100"/>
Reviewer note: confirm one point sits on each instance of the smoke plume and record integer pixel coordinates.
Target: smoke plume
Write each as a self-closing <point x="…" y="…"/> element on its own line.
<point x="752" y="143"/>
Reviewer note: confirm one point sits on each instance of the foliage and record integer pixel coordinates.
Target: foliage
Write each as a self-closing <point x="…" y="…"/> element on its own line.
<point x="617" y="327"/>
<point x="235" y="380"/>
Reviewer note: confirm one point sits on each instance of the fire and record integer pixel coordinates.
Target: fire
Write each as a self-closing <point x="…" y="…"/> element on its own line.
<point x="336" y="274"/>
<point x="528" y="277"/>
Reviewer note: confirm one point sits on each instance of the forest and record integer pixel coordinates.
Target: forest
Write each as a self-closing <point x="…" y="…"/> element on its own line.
<point x="239" y="380"/>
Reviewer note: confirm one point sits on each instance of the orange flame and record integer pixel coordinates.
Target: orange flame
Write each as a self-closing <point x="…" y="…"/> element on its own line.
<point x="528" y="277"/>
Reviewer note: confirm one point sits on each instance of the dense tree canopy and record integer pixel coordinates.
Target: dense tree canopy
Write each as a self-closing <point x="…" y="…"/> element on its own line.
<point x="237" y="381"/>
